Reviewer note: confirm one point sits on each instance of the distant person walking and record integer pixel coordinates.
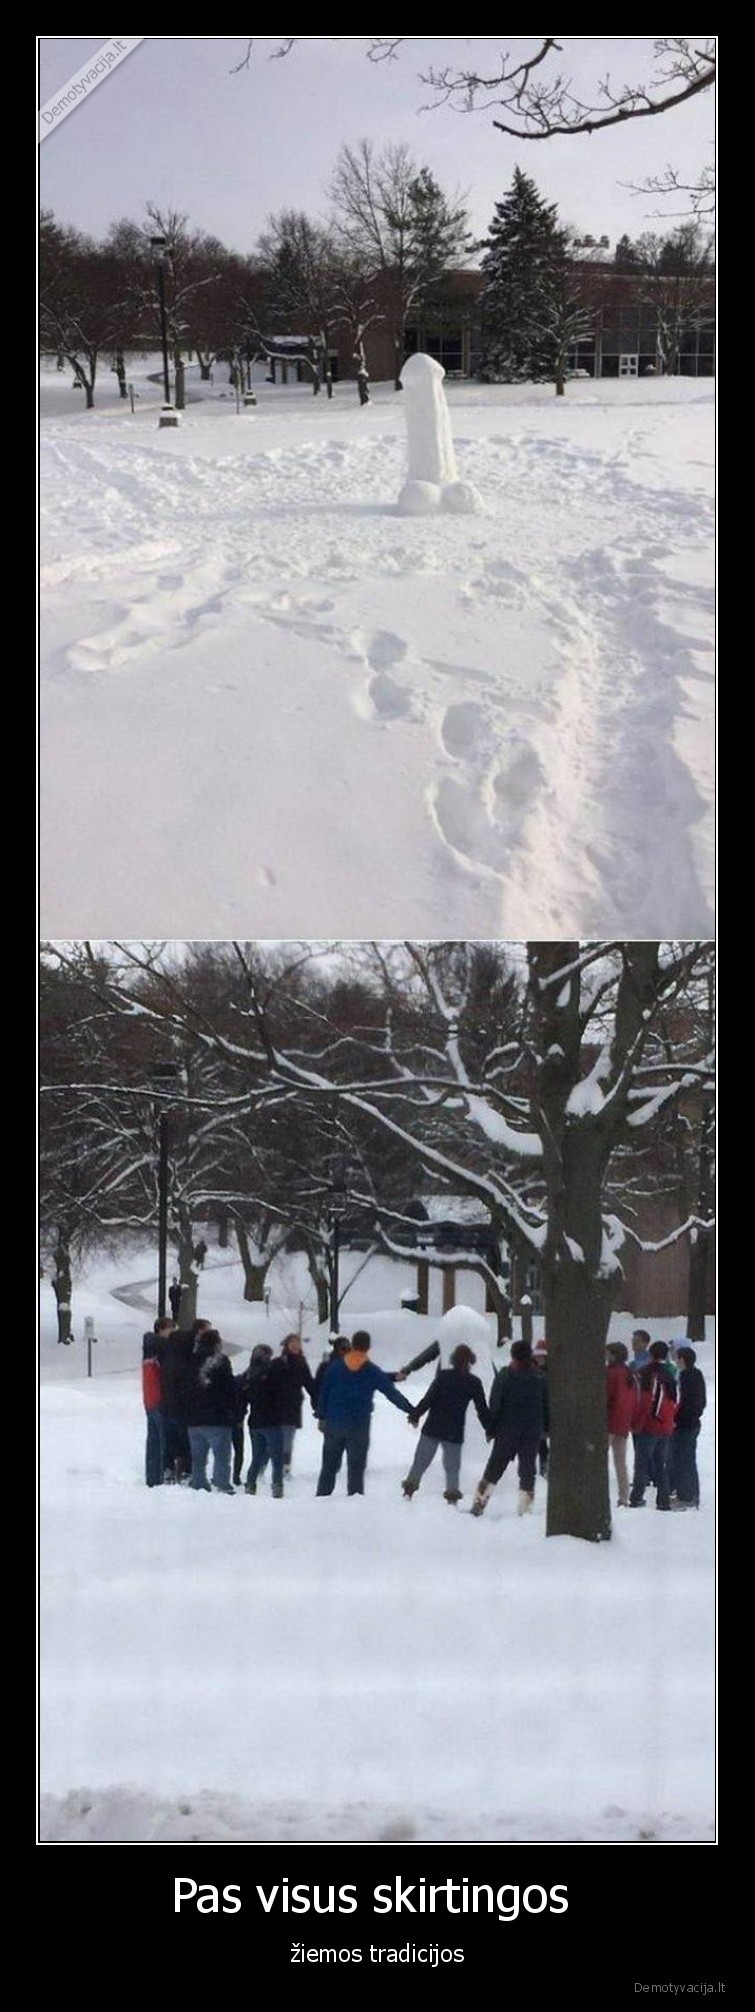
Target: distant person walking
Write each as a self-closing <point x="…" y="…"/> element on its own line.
<point x="345" y="1409"/>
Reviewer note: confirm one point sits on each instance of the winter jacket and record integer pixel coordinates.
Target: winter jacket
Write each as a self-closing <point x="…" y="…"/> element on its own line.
<point x="693" y="1398"/>
<point x="152" y="1383"/>
<point x="319" y="1377"/>
<point x="519" y="1399"/>
<point x="152" y="1387"/>
<point x="656" y="1402"/>
<point x="347" y="1391"/>
<point x="297" y="1379"/>
<point x="446" y="1404"/>
<point x="174" y="1356"/>
<point x="269" y="1394"/>
<point x="210" y="1393"/>
<point x="621" y="1399"/>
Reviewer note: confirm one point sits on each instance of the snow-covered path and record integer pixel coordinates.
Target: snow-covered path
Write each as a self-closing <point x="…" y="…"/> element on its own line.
<point x="272" y="705"/>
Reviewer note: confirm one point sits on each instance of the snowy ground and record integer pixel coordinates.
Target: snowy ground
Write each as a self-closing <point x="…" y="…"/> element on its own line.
<point x="350" y="1669"/>
<point x="272" y="706"/>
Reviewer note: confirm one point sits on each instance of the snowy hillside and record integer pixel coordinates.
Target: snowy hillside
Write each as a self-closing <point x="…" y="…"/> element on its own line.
<point x="350" y="1669"/>
<point x="495" y="725"/>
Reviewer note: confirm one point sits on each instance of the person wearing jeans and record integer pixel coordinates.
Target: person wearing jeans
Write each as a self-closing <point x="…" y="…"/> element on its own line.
<point x="210" y="1413"/>
<point x="268" y="1384"/>
<point x="344" y="1410"/>
<point x="656" y="1409"/>
<point x="685" y="1483"/>
<point x="446" y="1403"/>
<point x="518" y="1411"/>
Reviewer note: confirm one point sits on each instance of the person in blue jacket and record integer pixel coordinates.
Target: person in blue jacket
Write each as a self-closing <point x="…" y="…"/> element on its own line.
<point x="344" y="1410"/>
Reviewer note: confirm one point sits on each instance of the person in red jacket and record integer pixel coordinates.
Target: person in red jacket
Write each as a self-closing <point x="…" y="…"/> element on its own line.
<point x="621" y="1401"/>
<point x="152" y="1396"/>
<point x="654" y="1424"/>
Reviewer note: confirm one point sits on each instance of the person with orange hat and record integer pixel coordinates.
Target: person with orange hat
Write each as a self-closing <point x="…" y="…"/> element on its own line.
<point x="344" y="1411"/>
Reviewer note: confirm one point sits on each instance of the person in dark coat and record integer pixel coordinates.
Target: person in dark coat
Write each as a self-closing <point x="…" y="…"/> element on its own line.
<point x="518" y="1410"/>
<point x="269" y="1397"/>
<point x="174" y="1295"/>
<point x="446" y="1403"/>
<point x="345" y="1409"/>
<point x="210" y="1412"/>
<point x="339" y="1345"/>
<point x="175" y="1366"/>
<point x="653" y="1427"/>
<point x="692" y="1399"/>
<point x="299" y="1378"/>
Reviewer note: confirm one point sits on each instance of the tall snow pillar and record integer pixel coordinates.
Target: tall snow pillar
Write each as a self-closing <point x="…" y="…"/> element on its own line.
<point x="432" y="481"/>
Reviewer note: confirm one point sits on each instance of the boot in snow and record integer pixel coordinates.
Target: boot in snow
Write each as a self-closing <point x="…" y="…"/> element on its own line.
<point x="409" y="1488"/>
<point x="452" y="1495"/>
<point x="481" y="1499"/>
<point x="525" y="1502"/>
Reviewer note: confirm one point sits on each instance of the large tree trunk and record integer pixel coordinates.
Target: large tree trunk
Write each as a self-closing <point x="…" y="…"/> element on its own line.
<point x="61" y="1285"/>
<point x="698" y="1284"/>
<point x="577" y="1313"/>
<point x="318" y="1272"/>
<point x="700" y="1239"/>
<point x="255" y="1269"/>
<point x="580" y="1274"/>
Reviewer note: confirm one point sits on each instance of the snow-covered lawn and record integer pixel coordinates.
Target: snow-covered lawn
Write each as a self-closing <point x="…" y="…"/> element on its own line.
<point x="351" y="1669"/>
<point x="272" y="706"/>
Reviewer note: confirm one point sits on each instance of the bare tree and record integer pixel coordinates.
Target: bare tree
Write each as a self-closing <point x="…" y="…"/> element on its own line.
<point x="525" y="1086"/>
<point x="84" y="305"/>
<point x="675" y="278"/>
<point x="540" y="100"/>
<point x="394" y="220"/>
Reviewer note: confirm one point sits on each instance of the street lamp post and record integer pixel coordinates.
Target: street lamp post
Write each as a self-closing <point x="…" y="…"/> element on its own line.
<point x="162" y="1074"/>
<point x="168" y="416"/>
<point x="338" y="1201"/>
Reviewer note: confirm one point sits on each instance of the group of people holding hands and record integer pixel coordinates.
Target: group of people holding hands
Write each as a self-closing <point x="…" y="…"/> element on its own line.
<point x="196" y="1407"/>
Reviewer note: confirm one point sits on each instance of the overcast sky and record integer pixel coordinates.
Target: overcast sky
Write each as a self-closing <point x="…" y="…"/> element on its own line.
<point x="175" y="125"/>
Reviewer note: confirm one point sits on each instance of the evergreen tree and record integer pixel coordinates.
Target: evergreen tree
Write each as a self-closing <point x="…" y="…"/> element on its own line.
<point x="523" y="245"/>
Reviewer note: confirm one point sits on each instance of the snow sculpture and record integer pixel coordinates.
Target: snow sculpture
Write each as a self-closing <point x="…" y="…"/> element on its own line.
<point x="463" y="1323"/>
<point x="432" y="477"/>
